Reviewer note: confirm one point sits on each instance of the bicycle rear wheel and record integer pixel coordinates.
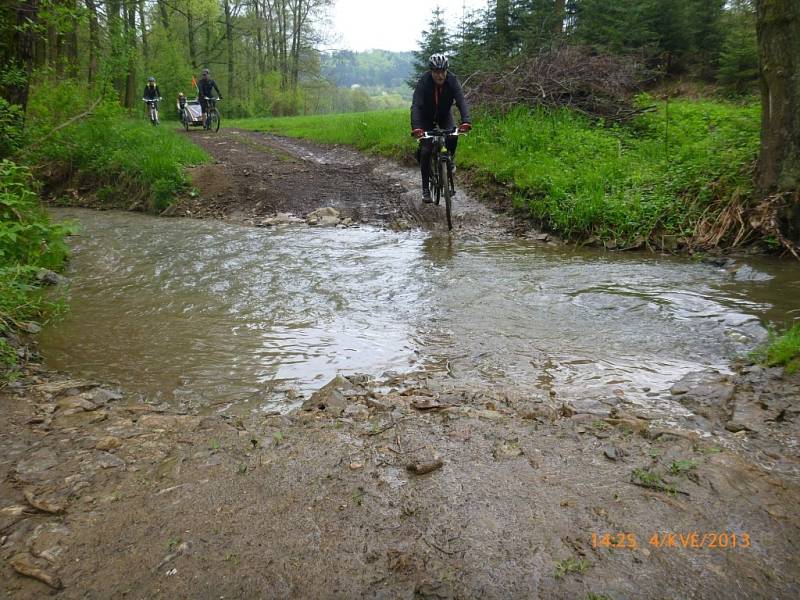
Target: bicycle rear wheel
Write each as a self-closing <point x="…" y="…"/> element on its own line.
<point x="445" y="184"/>
<point x="213" y="120"/>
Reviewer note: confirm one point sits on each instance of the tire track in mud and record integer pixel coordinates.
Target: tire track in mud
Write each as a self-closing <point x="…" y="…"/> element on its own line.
<point x="257" y="175"/>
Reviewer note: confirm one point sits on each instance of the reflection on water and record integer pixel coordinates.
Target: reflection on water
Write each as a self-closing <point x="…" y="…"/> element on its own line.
<point x="209" y="314"/>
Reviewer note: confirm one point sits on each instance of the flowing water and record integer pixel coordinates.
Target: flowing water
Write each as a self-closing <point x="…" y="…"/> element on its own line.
<point x="207" y="314"/>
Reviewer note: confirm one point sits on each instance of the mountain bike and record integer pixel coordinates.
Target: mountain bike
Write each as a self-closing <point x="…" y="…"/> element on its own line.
<point x="152" y="109"/>
<point x="442" y="169"/>
<point x="212" y="115"/>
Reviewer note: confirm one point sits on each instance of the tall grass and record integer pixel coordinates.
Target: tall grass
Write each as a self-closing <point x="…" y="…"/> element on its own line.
<point x="782" y="350"/>
<point x="29" y="242"/>
<point x="579" y="178"/>
<point x="128" y="161"/>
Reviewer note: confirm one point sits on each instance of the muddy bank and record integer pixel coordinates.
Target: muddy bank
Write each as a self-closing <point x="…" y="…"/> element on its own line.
<point x="405" y="487"/>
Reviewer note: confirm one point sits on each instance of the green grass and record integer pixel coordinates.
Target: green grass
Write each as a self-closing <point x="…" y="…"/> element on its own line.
<point x="580" y="179"/>
<point x="127" y="160"/>
<point x="29" y="242"/>
<point x="782" y="350"/>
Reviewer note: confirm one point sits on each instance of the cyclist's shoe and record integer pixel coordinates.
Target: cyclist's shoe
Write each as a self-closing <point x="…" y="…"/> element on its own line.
<point x="426" y="196"/>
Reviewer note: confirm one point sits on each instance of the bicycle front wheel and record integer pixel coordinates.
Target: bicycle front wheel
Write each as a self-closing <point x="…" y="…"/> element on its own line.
<point x="185" y="119"/>
<point x="213" y="120"/>
<point x="436" y="183"/>
<point x="446" y="185"/>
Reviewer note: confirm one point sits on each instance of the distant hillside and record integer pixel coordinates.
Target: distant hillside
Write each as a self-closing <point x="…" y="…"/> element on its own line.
<point x="374" y="69"/>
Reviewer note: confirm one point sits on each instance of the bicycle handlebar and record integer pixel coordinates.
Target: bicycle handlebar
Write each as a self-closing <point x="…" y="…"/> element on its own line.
<point x="429" y="135"/>
<point x="214" y="99"/>
<point x="159" y="99"/>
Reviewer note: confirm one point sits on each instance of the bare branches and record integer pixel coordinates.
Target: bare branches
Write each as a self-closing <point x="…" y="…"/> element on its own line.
<point x="599" y="86"/>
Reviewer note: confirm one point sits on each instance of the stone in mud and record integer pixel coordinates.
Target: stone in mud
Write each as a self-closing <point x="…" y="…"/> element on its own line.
<point x="323" y="217"/>
<point x="421" y="467"/>
<point x="48" y="277"/>
<point x="30" y="566"/>
<point x="706" y="393"/>
<point x="79" y="419"/>
<point x="332" y="397"/>
<point x="108" y="443"/>
<point x="357" y="412"/>
<point x="37" y="462"/>
<point x="106" y="460"/>
<point x="102" y="395"/>
<point x="44" y="502"/>
<point x="76" y="402"/>
<point x="59" y="387"/>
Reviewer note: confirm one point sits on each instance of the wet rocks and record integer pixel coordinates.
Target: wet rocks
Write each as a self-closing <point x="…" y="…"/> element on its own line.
<point x="706" y="393"/>
<point x="323" y="217"/>
<point x="335" y="396"/>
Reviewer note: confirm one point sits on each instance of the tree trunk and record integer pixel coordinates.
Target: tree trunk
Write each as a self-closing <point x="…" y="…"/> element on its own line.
<point x="145" y="47"/>
<point x="18" y="51"/>
<point x="502" y="17"/>
<point x="559" y="12"/>
<point x="191" y="32"/>
<point x="71" y="45"/>
<point x="229" y="38"/>
<point x="117" y="43"/>
<point x="262" y="68"/>
<point x="94" y="41"/>
<point x="778" y="31"/>
<point x="162" y="10"/>
<point x="130" y="45"/>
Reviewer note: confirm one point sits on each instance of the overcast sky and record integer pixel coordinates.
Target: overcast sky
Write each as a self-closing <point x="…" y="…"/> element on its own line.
<point x="389" y="24"/>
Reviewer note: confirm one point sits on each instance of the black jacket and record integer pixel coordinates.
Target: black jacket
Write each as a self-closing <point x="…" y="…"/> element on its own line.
<point x="151" y="93"/>
<point x="424" y="110"/>
<point x="205" y="87"/>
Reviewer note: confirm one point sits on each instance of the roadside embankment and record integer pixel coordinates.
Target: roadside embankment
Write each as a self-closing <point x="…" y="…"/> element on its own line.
<point x="105" y="159"/>
<point x="675" y="178"/>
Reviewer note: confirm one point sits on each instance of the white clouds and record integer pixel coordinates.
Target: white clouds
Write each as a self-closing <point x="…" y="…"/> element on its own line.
<point x="389" y="24"/>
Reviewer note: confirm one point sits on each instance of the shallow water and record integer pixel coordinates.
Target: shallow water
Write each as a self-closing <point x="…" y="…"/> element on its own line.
<point x="207" y="314"/>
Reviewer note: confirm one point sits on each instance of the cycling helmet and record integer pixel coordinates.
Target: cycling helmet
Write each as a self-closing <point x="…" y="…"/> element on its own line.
<point x="205" y="71"/>
<point x="438" y="62"/>
<point x="151" y="78"/>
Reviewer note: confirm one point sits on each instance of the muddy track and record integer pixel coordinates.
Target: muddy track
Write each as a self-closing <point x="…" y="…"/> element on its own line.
<point x="257" y="175"/>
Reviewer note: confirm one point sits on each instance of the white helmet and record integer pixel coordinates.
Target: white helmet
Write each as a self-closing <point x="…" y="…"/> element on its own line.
<point x="438" y="62"/>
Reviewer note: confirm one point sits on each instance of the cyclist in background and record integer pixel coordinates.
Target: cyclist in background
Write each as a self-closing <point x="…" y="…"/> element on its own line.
<point x="151" y="90"/>
<point x="431" y="106"/>
<point x="205" y="88"/>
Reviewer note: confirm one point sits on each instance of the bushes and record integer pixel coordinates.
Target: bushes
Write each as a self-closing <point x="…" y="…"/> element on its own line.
<point x="28" y="243"/>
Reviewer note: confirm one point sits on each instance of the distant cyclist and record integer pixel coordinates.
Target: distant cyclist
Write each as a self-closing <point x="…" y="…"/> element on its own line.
<point x="205" y="89"/>
<point x="151" y="90"/>
<point x="431" y="106"/>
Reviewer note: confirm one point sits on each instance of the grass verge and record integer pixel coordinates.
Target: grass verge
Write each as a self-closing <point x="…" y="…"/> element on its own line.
<point x="29" y="245"/>
<point x="122" y="162"/>
<point x="782" y="350"/>
<point x="669" y="174"/>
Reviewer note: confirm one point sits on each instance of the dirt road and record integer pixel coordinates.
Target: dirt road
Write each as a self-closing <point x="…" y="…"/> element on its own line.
<point x="256" y="176"/>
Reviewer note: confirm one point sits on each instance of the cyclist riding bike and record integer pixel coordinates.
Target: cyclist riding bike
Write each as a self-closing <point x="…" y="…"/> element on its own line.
<point x="205" y="88"/>
<point x="431" y="106"/>
<point x="151" y="90"/>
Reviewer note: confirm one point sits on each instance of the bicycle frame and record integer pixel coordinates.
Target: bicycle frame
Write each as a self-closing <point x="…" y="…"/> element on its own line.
<point x="152" y="108"/>
<point x="442" y="178"/>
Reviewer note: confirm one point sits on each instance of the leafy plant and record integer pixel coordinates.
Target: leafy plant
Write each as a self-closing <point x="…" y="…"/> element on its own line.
<point x="570" y="565"/>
